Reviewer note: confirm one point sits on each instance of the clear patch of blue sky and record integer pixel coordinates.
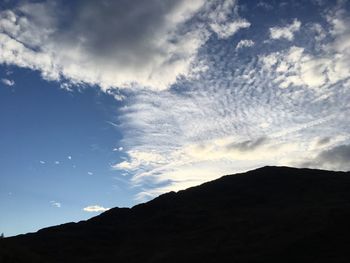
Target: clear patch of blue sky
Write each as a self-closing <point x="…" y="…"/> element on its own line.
<point x="55" y="146"/>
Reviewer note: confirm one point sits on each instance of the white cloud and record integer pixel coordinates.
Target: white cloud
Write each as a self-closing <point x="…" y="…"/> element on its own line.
<point x="234" y="117"/>
<point x="95" y="208"/>
<point x="286" y="32"/>
<point x="294" y="67"/>
<point x="138" y="44"/>
<point x="119" y="149"/>
<point x="42" y="162"/>
<point x="56" y="204"/>
<point x="326" y="66"/>
<point x="228" y="29"/>
<point x="320" y="32"/>
<point x="8" y="82"/>
<point x="245" y="43"/>
<point x="214" y="127"/>
<point x="220" y="21"/>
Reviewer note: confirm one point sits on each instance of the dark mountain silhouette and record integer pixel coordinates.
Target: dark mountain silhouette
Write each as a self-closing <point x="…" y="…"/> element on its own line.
<point x="272" y="214"/>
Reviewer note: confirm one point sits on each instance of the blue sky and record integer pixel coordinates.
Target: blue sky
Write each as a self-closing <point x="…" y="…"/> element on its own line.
<point x="111" y="103"/>
<point x="56" y="151"/>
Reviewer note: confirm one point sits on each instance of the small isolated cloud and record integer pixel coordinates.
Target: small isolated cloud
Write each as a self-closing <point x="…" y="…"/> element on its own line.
<point x="57" y="162"/>
<point x="8" y="82"/>
<point x="90" y="173"/>
<point x="119" y="149"/>
<point x="56" y="204"/>
<point x="286" y="32"/>
<point x="66" y="86"/>
<point x="42" y="162"/>
<point x="69" y="157"/>
<point x="245" y="43"/>
<point x="95" y="208"/>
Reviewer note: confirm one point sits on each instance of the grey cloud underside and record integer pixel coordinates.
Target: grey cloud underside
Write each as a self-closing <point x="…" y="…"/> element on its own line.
<point x="114" y="44"/>
<point x="324" y="141"/>
<point x="122" y="30"/>
<point x="336" y="158"/>
<point x="248" y="145"/>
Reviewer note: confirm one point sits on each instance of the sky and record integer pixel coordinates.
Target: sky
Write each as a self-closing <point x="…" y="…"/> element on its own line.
<point x="111" y="103"/>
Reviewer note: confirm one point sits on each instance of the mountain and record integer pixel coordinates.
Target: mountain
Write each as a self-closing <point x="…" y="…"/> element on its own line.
<point x="272" y="214"/>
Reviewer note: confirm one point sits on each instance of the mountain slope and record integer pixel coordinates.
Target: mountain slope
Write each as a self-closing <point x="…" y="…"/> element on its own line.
<point x="272" y="214"/>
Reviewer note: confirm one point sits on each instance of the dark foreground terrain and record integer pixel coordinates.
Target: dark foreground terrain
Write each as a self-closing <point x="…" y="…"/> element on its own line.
<point x="272" y="214"/>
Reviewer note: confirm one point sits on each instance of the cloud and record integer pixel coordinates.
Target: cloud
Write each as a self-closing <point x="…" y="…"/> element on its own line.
<point x="245" y="43"/>
<point x="113" y="44"/>
<point x="118" y="149"/>
<point x="237" y="115"/>
<point x="219" y="125"/>
<point x="294" y="67"/>
<point x="8" y="82"/>
<point x="324" y="141"/>
<point x="228" y="29"/>
<point x="248" y="145"/>
<point x="56" y="204"/>
<point x="328" y="65"/>
<point x="225" y="114"/>
<point x="222" y="22"/>
<point x="286" y="32"/>
<point x="264" y="5"/>
<point x="333" y="158"/>
<point x="95" y="208"/>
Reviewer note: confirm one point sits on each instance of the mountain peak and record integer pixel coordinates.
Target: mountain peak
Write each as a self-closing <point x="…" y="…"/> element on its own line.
<point x="270" y="214"/>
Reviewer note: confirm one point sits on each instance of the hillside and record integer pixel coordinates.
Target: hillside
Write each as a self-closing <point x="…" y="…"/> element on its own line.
<point x="272" y="214"/>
